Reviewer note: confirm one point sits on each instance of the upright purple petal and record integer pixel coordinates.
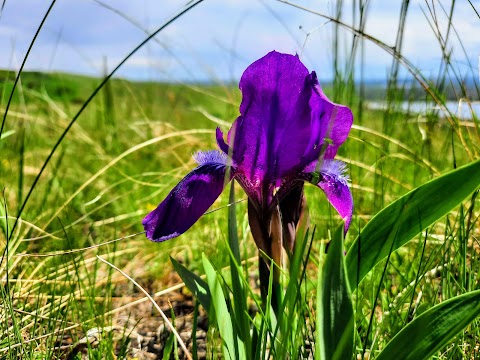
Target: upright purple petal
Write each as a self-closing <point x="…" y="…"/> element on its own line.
<point x="189" y="200"/>
<point x="285" y="119"/>
<point x="336" y="121"/>
<point x="334" y="183"/>
<point x="271" y="135"/>
<point x="221" y="142"/>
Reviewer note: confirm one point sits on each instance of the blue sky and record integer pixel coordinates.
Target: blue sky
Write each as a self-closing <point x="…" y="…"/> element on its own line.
<point x="219" y="38"/>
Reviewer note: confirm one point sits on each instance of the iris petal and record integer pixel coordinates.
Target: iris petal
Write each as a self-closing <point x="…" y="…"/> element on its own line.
<point x="334" y="184"/>
<point x="211" y="157"/>
<point x="270" y="136"/>
<point x="336" y="121"/>
<point x="221" y="142"/>
<point x="189" y="200"/>
<point x="285" y="119"/>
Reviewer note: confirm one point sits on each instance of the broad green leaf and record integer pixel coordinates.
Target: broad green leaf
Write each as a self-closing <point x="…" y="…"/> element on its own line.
<point x="194" y="283"/>
<point x="433" y="329"/>
<point x="400" y="221"/>
<point x="335" y="320"/>
<point x="224" y="319"/>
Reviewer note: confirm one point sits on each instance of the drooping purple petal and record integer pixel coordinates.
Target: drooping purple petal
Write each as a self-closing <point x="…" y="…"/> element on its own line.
<point x="334" y="183"/>
<point x="189" y="200"/>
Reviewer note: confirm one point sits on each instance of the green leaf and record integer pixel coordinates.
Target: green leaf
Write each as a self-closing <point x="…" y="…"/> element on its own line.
<point x="167" y="350"/>
<point x="232" y="225"/>
<point x="399" y="222"/>
<point x="194" y="283"/>
<point x="335" y="320"/>
<point x="224" y="319"/>
<point x="433" y="329"/>
<point x="240" y="320"/>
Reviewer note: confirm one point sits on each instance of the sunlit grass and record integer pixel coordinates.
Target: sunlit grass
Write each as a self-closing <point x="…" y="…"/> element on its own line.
<point x="133" y="143"/>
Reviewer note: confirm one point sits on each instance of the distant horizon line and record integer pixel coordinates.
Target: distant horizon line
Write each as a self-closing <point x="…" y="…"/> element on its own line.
<point x="372" y="81"/>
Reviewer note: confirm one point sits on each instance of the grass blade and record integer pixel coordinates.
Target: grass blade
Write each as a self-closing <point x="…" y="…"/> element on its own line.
<point x="6" y="134"/>
<point x="399" y="222"/>
<point x="17" y="78"/>
<point x="433" y="329"/>
<point x="222" y="314"/>
<point x="335" y="320"/>
<point x="194" y="283"/>
<point x="239" y="293"/>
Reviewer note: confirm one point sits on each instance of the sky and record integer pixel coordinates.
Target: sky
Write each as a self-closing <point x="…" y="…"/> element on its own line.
<point x="218" y="39"/>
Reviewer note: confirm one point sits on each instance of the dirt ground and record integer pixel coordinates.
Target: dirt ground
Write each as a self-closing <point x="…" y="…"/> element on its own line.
<point x="145" y="329"/>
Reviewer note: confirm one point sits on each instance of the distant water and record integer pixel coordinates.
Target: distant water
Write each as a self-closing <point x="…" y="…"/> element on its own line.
<point x="461" y="109"/>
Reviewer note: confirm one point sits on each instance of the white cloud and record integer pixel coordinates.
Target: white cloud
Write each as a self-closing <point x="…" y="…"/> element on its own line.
<point x="216" y="39"/>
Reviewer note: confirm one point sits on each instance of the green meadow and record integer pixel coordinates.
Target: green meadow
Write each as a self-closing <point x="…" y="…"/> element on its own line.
<point x="66" y="224"/>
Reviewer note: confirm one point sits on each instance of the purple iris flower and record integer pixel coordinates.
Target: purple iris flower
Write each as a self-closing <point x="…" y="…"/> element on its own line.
<point x="288" y="133"/>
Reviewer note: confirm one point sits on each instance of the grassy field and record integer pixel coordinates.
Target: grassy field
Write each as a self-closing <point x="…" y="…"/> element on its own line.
<point x="123" y="155"/>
